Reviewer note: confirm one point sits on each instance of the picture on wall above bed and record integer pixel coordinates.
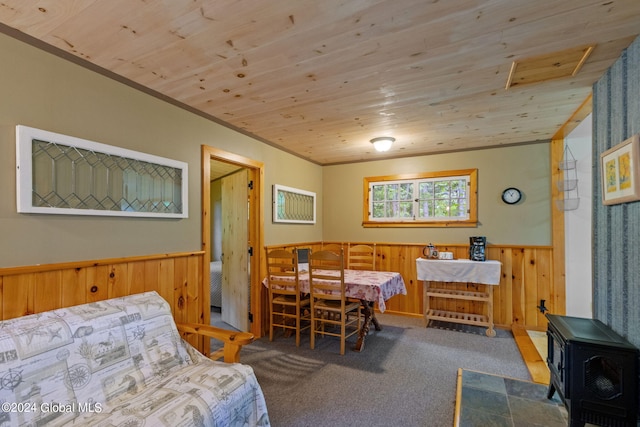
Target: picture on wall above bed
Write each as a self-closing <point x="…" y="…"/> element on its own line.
<point x="620" y="175"/>
<point x="60" y="174"/>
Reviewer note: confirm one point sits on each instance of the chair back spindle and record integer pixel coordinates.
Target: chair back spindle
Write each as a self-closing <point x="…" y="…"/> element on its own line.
<point x="362" y="257"/>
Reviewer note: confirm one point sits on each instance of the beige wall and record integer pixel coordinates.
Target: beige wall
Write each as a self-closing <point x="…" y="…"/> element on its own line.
<point x="527" y="223"/>
<point x="46" y="92"/>
<point x="297" y="173"/>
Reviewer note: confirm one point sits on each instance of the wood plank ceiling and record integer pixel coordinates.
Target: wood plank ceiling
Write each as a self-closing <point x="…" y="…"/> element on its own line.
<point x="321" y="78"/>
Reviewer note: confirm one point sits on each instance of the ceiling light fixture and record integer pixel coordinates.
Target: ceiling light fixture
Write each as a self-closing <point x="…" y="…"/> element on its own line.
<point x="382" y="143"/>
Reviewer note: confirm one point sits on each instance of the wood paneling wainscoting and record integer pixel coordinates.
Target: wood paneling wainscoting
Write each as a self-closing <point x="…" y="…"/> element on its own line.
<point x="177" y="277"/>
<point x="527" y="273"/>
<point x="526" y="279"/>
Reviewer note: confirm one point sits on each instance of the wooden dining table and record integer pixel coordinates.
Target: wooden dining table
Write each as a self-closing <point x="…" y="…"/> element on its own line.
<point x="369" y="287"/>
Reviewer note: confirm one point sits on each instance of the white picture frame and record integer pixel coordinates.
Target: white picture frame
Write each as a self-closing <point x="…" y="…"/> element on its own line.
<point x="81" y="177"/>
<point x="293" y="205"/>
<point x="620" y="172"/>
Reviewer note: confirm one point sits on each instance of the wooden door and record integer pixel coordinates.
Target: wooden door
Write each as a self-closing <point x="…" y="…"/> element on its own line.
<point x="235" y="262"/>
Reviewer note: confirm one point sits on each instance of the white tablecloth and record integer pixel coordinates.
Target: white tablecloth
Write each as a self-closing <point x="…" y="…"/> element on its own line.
<point x="459" y="270"/>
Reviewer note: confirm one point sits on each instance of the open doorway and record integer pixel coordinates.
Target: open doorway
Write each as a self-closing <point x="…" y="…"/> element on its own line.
<point x="230" y="270"/>
<point x="240" y="180"/>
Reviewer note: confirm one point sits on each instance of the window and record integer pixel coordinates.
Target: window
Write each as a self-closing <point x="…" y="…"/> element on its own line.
<point x="293" y="205"/>
<point x="436" y="199"/>
<point x="61" y="174"/>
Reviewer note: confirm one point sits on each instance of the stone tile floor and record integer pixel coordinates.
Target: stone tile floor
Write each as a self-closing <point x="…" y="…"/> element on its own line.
<point x="490" y="400"/>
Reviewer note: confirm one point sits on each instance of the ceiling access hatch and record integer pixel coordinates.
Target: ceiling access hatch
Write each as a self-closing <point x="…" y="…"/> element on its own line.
<point x="565" y="63"/>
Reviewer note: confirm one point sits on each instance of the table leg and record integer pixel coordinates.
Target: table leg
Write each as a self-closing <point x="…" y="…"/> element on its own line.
<point x="369" y="317"/>
<point x="490" y="331"/>
<point x="374" y="319"/>
<point x="425" y="302"/>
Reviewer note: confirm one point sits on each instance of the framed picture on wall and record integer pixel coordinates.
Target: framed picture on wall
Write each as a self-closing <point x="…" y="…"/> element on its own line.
<point x="620" y="172"/>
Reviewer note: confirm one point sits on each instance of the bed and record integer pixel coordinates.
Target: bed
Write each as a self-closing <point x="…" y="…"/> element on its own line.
<point x="215" y="283"/>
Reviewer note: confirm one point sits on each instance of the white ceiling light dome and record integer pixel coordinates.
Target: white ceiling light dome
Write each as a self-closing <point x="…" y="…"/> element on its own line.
<point x="383" y="143"/>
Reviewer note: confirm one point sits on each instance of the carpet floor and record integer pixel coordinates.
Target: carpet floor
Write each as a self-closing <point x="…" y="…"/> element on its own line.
<point x="406" y="374"/>
<point x="491" y="400"/>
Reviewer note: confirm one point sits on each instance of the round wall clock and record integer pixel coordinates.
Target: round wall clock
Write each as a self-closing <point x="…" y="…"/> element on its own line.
<point x="511" y="196"/>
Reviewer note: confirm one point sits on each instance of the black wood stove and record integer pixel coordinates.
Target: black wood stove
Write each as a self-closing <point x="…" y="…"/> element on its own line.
<point x="594" y="370"/>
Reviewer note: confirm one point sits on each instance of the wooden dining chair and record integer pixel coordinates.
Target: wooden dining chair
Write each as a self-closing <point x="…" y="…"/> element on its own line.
<point x="331" y="312"/>
<point x="333" y="247"/>
<point x="362" y="257"/>
<point x="288" y="309"/>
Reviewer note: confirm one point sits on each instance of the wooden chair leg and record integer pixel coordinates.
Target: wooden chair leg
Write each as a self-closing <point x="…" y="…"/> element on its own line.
<point x="313" y="330"/>
<point x="298" y="322"/>
<point x="271" y="325"/>
<point x="343" y="332"/>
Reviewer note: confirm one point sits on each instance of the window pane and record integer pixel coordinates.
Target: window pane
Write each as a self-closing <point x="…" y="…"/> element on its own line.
<point x="442" y="208"/>
<point x="378" y="210"/>
<point x="426" y="190"/>
<point x="454" y="209"/>
<point x="426" y="209"/>
<point x="378" y="192"/>
<point x="392" y="192"/>
<point x="391" y="209"/>
<point x="442" y="189"/>
<point x="458" y="188"/>
<point x="462" y="208"/>
<point x="406" y="191"/>
<point x="406" y="209"/>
